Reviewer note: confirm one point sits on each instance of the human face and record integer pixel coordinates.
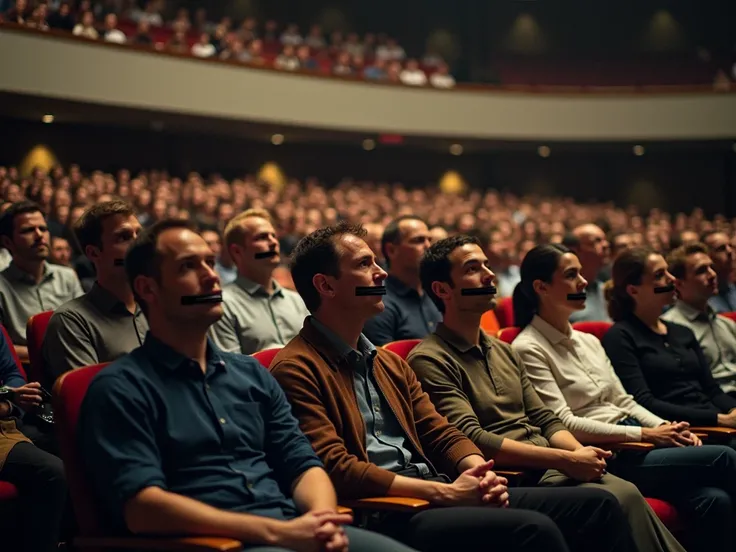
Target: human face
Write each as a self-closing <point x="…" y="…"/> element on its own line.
<point x="213" y="240"/>
<point x="260" y="237"/>
<point x="61" y="252"/>
<point x="414" y="242"/>
<point x="118" y="232"/>
<point x="31" y="239"/>
<point x="700" y="282"/>
<point x="357" y="268"/>
<point x="437" y="233"/>
<point x="594" y="248"/>
<point x="567" y="279"/>
<point x="470" y="270"/>
<point x="622" y="243"/>
<point x="722" y="254"/>
<point x="186" y="269"/>
<point x="655" y="276"/>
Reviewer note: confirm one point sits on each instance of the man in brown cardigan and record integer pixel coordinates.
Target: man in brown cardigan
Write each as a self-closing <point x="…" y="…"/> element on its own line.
<point x="378" y="434"/>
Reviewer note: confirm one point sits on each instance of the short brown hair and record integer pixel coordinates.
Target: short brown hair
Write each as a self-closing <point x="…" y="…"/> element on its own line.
<point x="677" y="258"/>
<point x="234" y="231"/>
<point x="88" y="229"/>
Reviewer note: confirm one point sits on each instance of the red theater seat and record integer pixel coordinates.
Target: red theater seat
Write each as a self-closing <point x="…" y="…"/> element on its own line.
<point x="403" y="347"/>
<point x="729" y="315"/>
<point x="507" y="335"/>
<point x="266" y="356"/>
<point x="597" y="329"/>
<point x="505" y="312"/>
<point x="35" y="332"/>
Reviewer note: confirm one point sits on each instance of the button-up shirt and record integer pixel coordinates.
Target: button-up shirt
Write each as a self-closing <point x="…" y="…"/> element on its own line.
<point x="407" y="315"/>
<point x="254" y="319"/>
<point x="573" y="376"/>
<point x="716" y="336"/>
<point x="21" y="297"/>
<point x="96" y="327"/>
<point x="483" y="390"/>
<point x="666" y="374"/>
<point x="225" y="437"/>
<point x="724" y="300"/>
<point x="596" y="308"/>
<point x="386" y="443"/>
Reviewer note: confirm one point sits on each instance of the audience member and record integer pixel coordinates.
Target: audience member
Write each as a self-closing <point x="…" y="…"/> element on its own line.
<point x="412" y="75"/>
<point x="588" y="242"/>
<point x="63" y="19"/>
<point x="377" y="71"/>
<point x="37" y="20"/>
<point x="306" y="61"/>
<point x="61" y="252"/>
<point x="204" y="48"/>
<point x="390" y="51"/>
<point x="258" y="313"/>
<point x="112" y="33"/>
<point x="441" y="77"/>
<point x="18" y="13"/>
<point x="379" y="435"/>
<point x="158" y="424"/>
<point x="315" y="38"/>
<point x="86" y="26"/>
<point x="409" y="313"/>
<point x="226" y="270"/>
<point x="722" y="254"/>
<point x="286" y="60"/>
<point x="291" y="36"/>
<point x="342" y="65"/>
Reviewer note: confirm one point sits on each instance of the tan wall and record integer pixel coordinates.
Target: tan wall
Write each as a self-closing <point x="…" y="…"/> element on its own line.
<point x="68" y="69"/>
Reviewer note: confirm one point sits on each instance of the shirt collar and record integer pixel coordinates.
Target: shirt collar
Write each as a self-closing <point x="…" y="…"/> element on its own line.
<point x="365" y="347"/>
<point x="550" y="333"/>
<point x="107" y="301"/>
<point x="398" y="287"/>
<point x="252" y="288"/>
<point x="171" y="359"/>
<point x="460" y="343"/>
<point x="15" y="273"/>
<point x="693" y="314"/>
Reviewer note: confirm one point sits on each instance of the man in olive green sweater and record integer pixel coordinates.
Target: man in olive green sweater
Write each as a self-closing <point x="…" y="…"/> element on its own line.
<point x="480" y="385"/>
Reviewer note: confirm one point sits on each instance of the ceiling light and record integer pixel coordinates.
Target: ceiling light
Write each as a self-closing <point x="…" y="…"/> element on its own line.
<point x="544" y="151"/>
<point x="639" y="150"/>
<point x="456" y="149"/>
<point x="369" y="144"/>
<point x="277" y="139"/>
<point x="47" y="119"/>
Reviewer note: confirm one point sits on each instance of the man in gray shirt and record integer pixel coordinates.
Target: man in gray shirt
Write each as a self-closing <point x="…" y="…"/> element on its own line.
<point x="105" y="323"/>
<point x="696" y="283"/>
<point x="30" y="285"/>
<point x="258" y="313"/>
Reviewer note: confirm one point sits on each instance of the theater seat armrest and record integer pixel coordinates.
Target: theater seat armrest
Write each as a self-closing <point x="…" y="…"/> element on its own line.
<point x="627" y="446"/>
<point x="715" y="431"/>
<point x="174" y="544"/>
<point x="387" y="504"/>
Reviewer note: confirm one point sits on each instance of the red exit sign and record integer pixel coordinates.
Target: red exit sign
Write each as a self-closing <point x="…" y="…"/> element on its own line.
<point x="391" y="139"/>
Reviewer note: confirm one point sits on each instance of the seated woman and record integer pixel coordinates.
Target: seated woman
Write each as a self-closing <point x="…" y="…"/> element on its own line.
<point x="572" y="375"/>
<point x="660" y="363"/>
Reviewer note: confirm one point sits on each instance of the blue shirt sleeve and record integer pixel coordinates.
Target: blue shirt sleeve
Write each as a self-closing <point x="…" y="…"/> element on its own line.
<point x="116" y="433"/>
<point x="10" y="376"/>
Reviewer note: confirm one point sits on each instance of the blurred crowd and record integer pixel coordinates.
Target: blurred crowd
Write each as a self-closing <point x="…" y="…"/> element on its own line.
<point x="508" y="225"/>
<point x="375" y="57"/>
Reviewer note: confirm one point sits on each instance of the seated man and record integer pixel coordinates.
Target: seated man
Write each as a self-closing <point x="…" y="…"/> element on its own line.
<point x="182" y="438"/>
<point x="408" y="312"/>
<point x="589" y="243"/>
<point x="481" y="385"/>
<point x="105" y="323"/>
<point x="379" y="435"/>
<point x="30" y="285"/>
<point x="721" y="251"/>
<point x="38" y="475"/>
<point x="697" y="283"/>
<point x="258" y="313"/>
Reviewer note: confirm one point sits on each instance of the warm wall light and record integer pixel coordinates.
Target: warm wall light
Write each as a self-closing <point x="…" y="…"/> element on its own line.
<point x="452" y="183"/>
<point x="272" y="174"/>
<point x="39" y="156"/>
<point x="48" y="119"/>
<point x="639" y="150"/>
<point x="369" y="144"/>
<point x="277" y="139"/>
<point x="456" y="149"/>
<point x="544" y="151"/>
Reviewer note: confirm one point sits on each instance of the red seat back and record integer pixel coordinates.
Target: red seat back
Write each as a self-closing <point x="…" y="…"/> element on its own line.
<point x="729" y="315"/>
<point x="403" y="347"/>
<point x="597" y="329"/>
<point x="35" y="332"/>
<point x="68" y="395"/>
<point x="18" y="363"/>
<point x="266" y="356"/>
<point x="507" y="335"/>
<point x="505" y="312"/>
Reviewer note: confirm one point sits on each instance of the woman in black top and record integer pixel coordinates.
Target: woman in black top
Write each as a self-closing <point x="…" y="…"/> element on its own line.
<point x="658" y="362"/>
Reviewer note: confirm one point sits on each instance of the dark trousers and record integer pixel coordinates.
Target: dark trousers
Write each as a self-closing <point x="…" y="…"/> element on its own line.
<point x="553" y="520"/>
<point x="39" y="477"/>
<point x="699" y="481"/>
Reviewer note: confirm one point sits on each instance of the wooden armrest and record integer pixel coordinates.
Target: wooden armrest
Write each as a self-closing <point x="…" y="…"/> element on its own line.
<point x="180" y="544"/>
<point x="628" y="446"/>
<point x="722" y="431"/>
<point x="508" y="474"/>
<point x="344" y="510"/>
<point x="387" y="503"/>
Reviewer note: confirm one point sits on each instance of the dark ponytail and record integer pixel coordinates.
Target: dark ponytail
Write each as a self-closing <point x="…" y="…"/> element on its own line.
<point x="539" y="264"/>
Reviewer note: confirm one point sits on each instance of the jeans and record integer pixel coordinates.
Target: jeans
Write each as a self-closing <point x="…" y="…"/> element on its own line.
<point x="360" y="541"/>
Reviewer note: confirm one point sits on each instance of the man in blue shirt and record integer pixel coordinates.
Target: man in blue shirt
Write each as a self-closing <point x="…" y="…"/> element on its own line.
<point x="409" y="312"/>
<point x="38" y="475"/>
<point x="182" y="438"/>
<point x="721" y="252"/>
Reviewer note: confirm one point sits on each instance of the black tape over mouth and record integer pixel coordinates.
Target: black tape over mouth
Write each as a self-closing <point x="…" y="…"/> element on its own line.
<point x="577" y="296"/>
<point x="488" y="290"/>
<point x="364" y="291"/>
<point x="266" y="254"/>
<point x="204" y="299"/>
<point x="665" y="289"/>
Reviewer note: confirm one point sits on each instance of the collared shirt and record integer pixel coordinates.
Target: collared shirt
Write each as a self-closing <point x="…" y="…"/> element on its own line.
<point x="666" y="374"/>
<point x="227" y="274"/>
<point x="573" y="376"/>
<point x="386" y="443"/>
<point x="21" y="297"/>
<point x="225" y="437"/>
<point x="724" y="300"/>
<point x="407" y="315"/>
<point x="483" y="390"/>
<point x="596" y="309"/>
<point x="254" y="320"/>
<point x="96" y="327"/>
<point x="716" y="336"/>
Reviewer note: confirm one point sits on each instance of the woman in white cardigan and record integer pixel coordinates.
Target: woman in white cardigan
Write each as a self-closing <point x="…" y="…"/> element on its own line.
<point x="573" y="376"/>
